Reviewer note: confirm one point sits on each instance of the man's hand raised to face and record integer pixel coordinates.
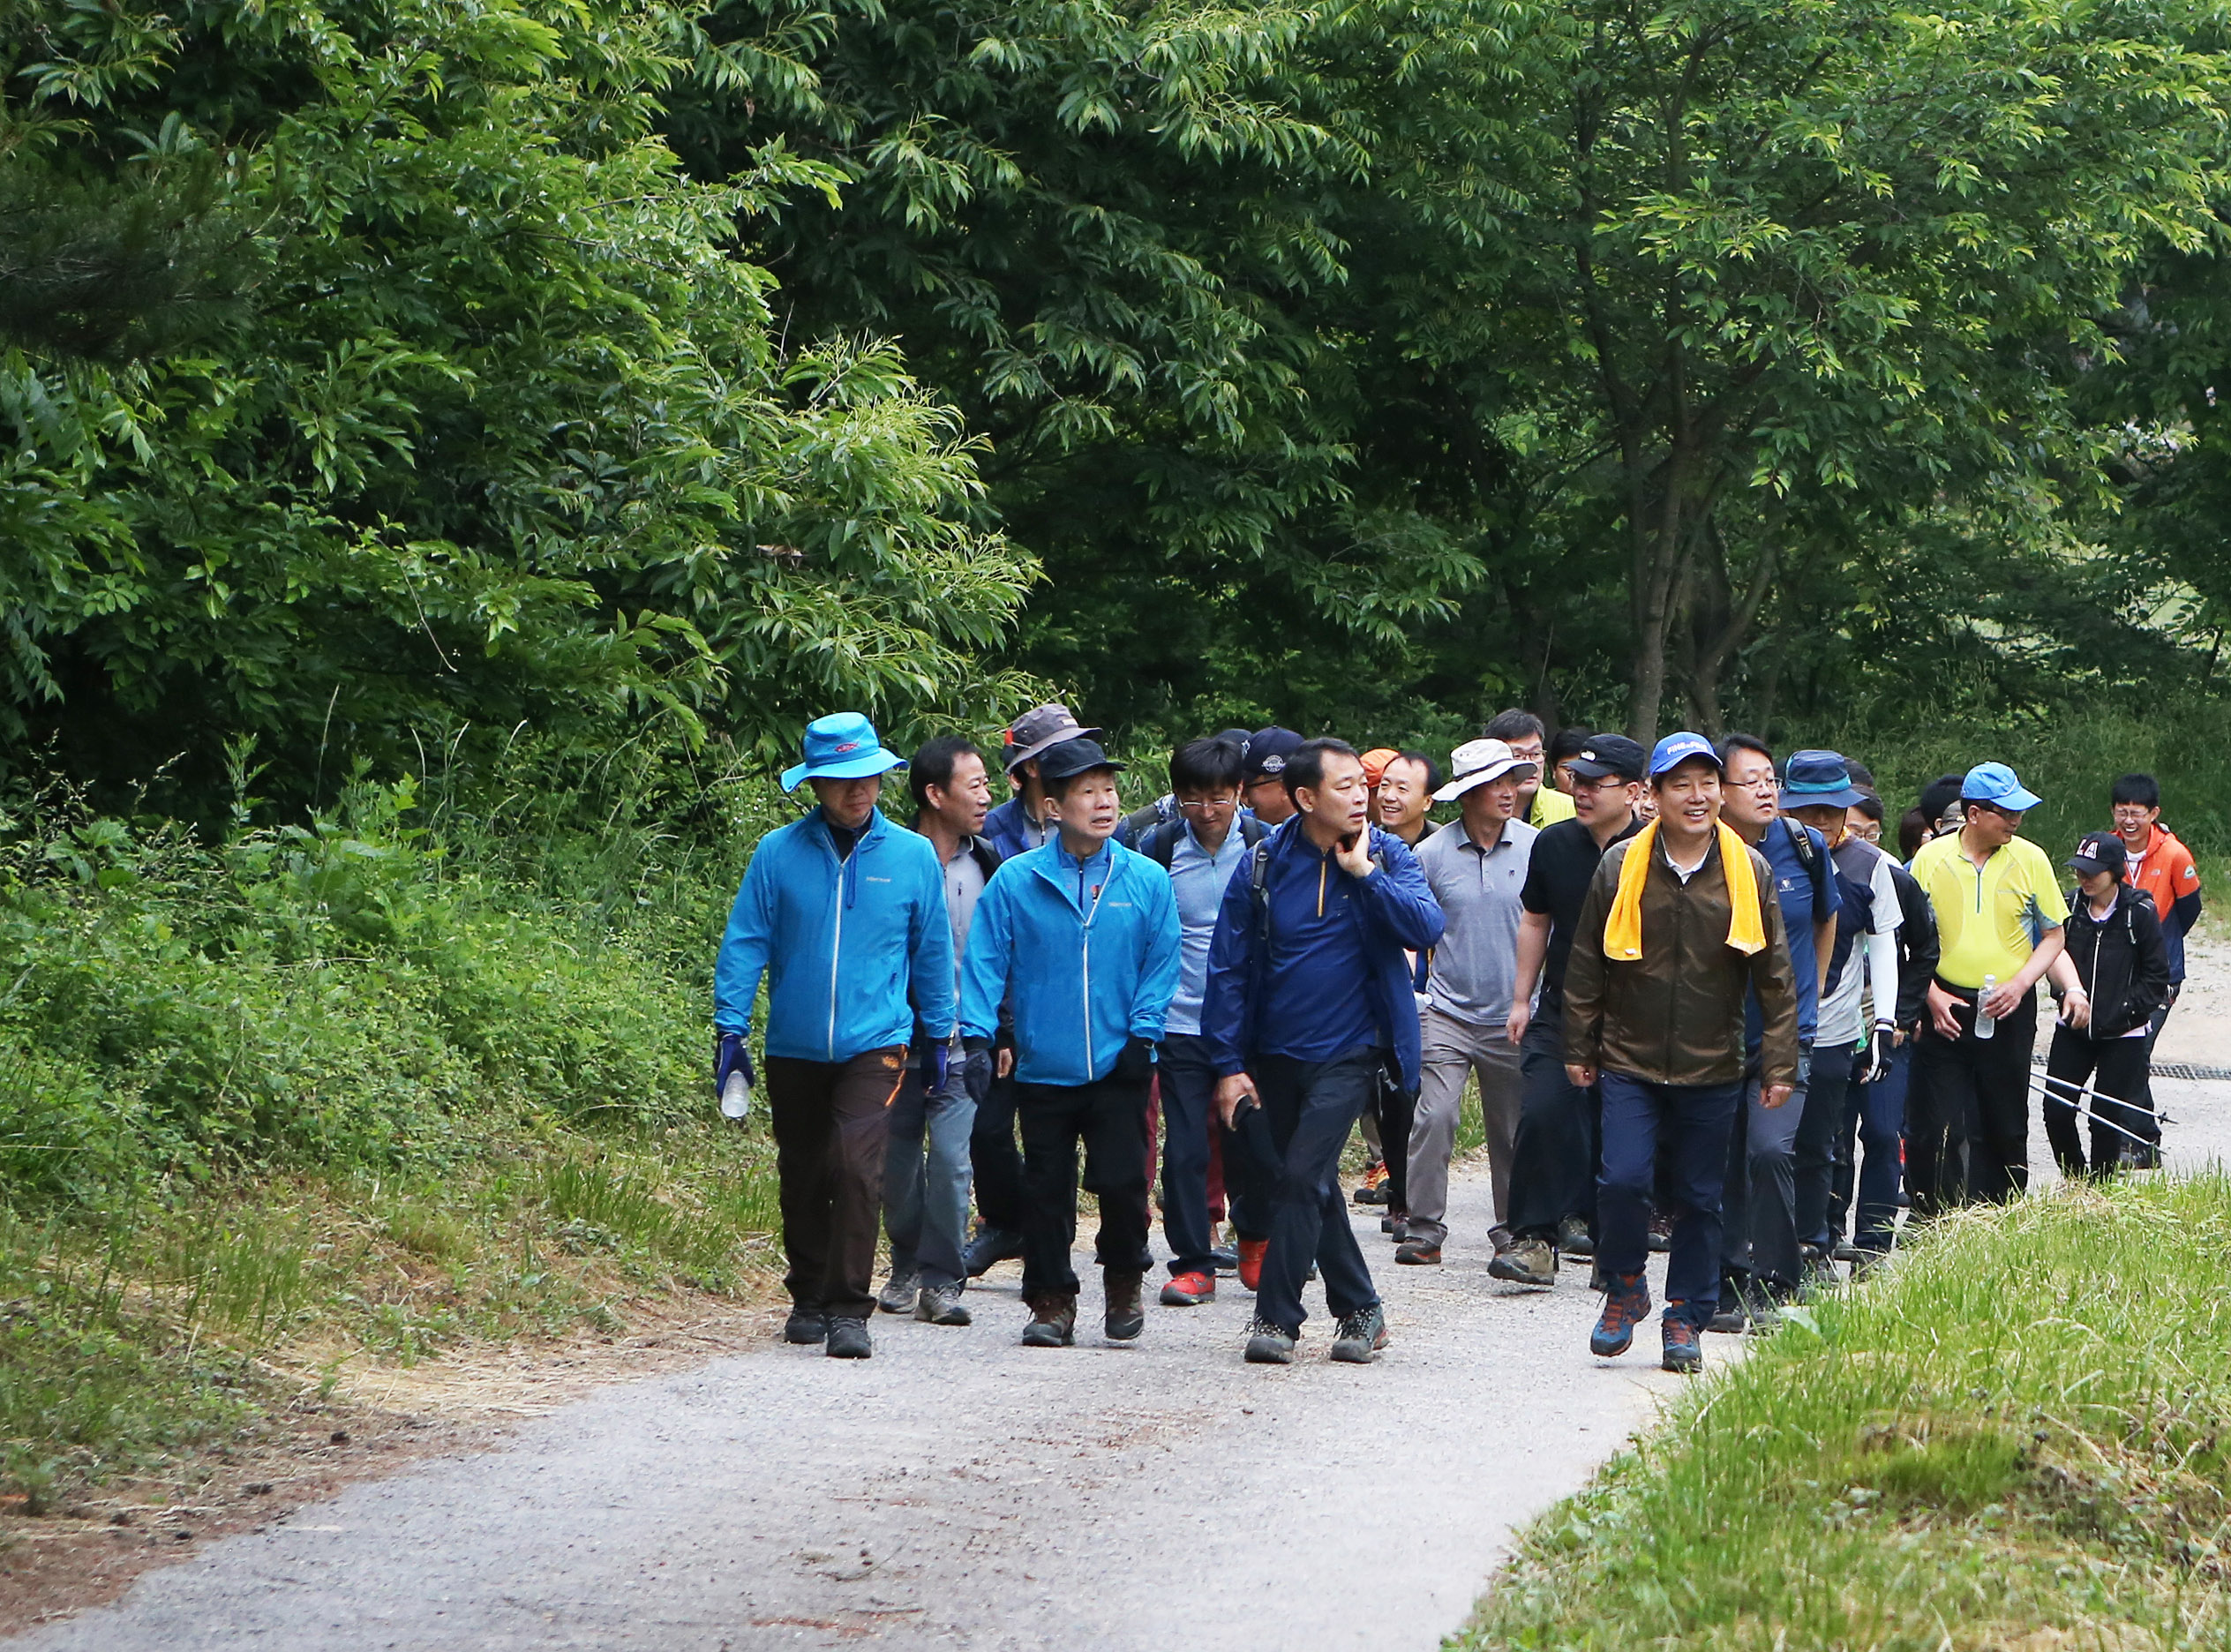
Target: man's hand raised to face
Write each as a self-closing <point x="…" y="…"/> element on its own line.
<point x="1354" y="854"/>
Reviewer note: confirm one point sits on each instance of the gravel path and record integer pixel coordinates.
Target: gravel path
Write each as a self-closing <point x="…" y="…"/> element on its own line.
<point x="959" y="1489"/>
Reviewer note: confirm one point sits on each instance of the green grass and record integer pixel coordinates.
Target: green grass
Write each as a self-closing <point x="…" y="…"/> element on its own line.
<point x="2020" y="1436"/>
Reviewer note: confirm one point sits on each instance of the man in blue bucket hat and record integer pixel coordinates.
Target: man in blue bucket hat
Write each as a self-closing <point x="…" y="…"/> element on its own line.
<point x="844" y="914"/>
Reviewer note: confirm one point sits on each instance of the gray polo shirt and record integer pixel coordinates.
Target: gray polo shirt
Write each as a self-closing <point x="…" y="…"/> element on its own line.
<point x="1475" y="964"/>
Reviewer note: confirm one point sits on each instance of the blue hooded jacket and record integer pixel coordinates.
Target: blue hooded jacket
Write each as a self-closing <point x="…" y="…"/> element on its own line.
<point x="844" y="945"/>
<point x="1395" y="911"/>
<point x="1084" y="963"/>
<point x="1011" y="831"/>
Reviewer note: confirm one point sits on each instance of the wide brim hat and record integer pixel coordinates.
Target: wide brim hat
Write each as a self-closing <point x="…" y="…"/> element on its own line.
<point x="1479" y="762"/>
<point x="1038" y="730"/>
<point x="841" y="746"/>
<point x="1818" y="780"/>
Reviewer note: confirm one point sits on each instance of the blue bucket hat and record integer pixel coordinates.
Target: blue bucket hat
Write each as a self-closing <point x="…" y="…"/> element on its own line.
<point x="842" y="745"/>
<point x="1995" y="783"/>
<point x="1818" y="780"/>
<point x="1676" y="749"/>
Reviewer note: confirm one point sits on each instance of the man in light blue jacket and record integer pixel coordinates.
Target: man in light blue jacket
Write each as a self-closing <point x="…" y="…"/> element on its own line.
<point x="1080" y="937"/>
<point x="845" y="915"/>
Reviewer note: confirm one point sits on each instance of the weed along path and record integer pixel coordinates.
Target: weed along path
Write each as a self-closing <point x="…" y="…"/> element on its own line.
<point x="959" y="1489"/>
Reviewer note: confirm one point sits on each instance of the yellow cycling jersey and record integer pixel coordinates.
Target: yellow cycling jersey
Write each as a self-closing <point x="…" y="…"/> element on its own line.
<point x="1989" y="917"/>
<point x="1550" y="805"/>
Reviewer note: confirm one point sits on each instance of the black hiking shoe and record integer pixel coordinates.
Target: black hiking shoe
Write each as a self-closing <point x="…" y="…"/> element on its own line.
<point x="1269" y="1344"/>
<point x="848" y="1338"/>
<point x="1361" y="1336"/>
<point x="1573" y="1238"/>
<point x="806" y="1327"/>
<point x="988" y="1249"/>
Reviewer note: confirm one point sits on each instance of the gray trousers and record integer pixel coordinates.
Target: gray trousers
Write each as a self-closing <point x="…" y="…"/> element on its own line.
<point x="1452" y="1051"/>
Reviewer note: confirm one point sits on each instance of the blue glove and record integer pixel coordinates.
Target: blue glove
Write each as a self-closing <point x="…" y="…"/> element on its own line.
<point x="937" y="1067"/>
<point x="732" y="1075"/>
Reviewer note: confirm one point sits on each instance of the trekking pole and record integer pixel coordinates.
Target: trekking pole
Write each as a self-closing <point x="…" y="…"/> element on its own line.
<point x="2087" y="1113"/>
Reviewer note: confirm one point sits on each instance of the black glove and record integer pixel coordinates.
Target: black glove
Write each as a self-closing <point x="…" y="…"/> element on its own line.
<point x="1136" y="1064"/>
<point x="1874" y="1058"/>
<point x="731" y="1059"/>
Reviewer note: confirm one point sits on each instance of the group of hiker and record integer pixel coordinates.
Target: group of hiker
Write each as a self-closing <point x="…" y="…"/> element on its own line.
<point x="1706" y="1008"/>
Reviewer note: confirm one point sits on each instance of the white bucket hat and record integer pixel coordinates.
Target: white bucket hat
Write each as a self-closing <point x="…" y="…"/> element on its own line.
<point x="1475" y="762"/>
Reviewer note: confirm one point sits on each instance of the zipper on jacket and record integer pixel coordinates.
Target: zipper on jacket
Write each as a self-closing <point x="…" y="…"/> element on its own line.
<point x="836" y="942"/>
<point x="1084" y="948"/>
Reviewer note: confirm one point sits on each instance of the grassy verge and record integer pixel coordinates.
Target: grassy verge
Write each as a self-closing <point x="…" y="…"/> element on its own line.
<point x="302" y="1097"/>
<point x="2016" y="1439"/>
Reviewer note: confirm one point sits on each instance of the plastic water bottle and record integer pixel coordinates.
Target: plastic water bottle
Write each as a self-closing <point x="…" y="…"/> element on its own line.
<point x="735" y="1097"/>
<point x="1985" y="1023"/>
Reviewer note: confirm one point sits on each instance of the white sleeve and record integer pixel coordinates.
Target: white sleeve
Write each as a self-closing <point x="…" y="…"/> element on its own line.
<point x="1882" y="942"/>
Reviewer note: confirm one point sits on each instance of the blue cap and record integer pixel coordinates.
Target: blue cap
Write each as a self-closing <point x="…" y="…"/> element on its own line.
<point x="1818" y="780"/>
<point x="842" y="745"/>
<point x="1995" y="783"/>
<point x="1676" y="749"/>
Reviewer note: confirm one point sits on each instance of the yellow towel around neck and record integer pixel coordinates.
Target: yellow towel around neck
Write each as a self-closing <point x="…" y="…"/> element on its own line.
<point x="1623" y="930"/>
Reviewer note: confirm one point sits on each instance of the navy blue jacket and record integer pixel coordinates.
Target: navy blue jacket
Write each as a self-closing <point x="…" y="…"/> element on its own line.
<point x="1008" y="830"/>
<point x="1394" y="909"/>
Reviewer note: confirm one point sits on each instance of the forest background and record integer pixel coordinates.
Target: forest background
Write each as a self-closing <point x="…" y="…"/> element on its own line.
<point x="449" y="447"/>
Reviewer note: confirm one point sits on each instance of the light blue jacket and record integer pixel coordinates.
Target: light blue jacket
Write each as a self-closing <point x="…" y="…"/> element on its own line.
<point x="843" y="944"/>
<point x="1087" y="962"/>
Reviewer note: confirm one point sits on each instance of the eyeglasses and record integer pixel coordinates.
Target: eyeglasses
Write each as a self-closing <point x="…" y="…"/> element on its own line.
<point x="1208" y="806"/>
<point x="2003" y="814"/>
<point x="1870" y="830"/>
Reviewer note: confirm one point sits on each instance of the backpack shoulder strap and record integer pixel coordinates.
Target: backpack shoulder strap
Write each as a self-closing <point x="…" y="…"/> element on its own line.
<point x="1159" y="842"/>
<point x="1801" y="840"/>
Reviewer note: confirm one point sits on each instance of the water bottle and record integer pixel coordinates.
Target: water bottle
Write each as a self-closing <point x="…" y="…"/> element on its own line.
<point x="1985" y="1023"/>
<point x="735" y="1099"/>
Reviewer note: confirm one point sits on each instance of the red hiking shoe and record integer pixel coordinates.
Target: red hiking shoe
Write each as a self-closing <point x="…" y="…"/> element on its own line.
<point x="1189" y="1290"/>
<point x="1250" y="1262"/>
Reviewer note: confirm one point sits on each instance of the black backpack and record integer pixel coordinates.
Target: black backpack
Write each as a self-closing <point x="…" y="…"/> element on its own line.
<point x="1159" y="842"/>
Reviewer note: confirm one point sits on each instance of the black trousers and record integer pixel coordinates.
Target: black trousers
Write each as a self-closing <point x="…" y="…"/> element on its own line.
<point x="832" y="1126"/>
<point x="2114" y="1068"/>
<point x="1396" y="1109"/>
<point x="1826" y="1099"/>
<point x="993" y="1161"/>
<point x="1968" y="1111"/>
<point x="1108" y="1120"/>
<point x="1554" y="1157"/>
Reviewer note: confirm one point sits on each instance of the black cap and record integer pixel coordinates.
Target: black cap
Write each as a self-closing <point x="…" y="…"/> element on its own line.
<point x="2100" y="851"/>
<point x="1608" y="755"/>
<point x="1268" y="750"/>
<point x="1073" y="757"/>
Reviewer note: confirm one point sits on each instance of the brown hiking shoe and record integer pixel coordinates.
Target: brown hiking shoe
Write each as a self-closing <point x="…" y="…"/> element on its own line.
<point x="1528" y="1262"/>
<point x="1053" y="1319"/>
<point x="1126" y="1317"/>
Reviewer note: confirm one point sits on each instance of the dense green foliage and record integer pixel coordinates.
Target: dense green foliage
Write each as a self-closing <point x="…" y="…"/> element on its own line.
<point x="1936" y="1460"/>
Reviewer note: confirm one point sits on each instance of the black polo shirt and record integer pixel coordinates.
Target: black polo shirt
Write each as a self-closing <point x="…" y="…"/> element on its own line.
<point x="1557" y="879"/>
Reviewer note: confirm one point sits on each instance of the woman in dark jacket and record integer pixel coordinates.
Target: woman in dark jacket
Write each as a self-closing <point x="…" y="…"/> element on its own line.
<point x="2111" y="979"/>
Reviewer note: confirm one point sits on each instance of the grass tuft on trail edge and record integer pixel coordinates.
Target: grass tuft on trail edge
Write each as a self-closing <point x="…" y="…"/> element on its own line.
<point x="2020" y="1436"/>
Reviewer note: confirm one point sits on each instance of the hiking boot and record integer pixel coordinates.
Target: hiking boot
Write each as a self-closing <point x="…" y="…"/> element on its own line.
<point x="1869" y="1258"/>
<point x="1053" y="1319"/>
<point x="1624" y="1306"/>
<point x="990" y="1247"/>
<point x="1728" y="1319"/>
<point x="1528" y="1262"/>
<point x="941" y="1304"/>
<point x="1684" y="1351"/>
<point x="1396" y="1224"/>
<point x="1843" y="1250"/>
<point x="1224" y="1260"/>
<point x="848" y="1338"/>
<point x="900" y="1290"/>
<point x="1250" y="1262"/>
<point x="806" y="1327"/>
<point x="1573" y="1238"/>
<point x="1269" y="1344"/>
<point x="1125" y="1318"/>
<point x="1360" y="1336"/>
<point x="1418" y="1253"/>
<point x="1661" y="1233"/>
<point x="1189" y="1290"/>
<point x="1372" y="1189"/>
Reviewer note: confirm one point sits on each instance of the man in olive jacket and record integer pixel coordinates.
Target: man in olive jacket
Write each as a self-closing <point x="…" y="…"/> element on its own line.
<point x="1666" y="947"/>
